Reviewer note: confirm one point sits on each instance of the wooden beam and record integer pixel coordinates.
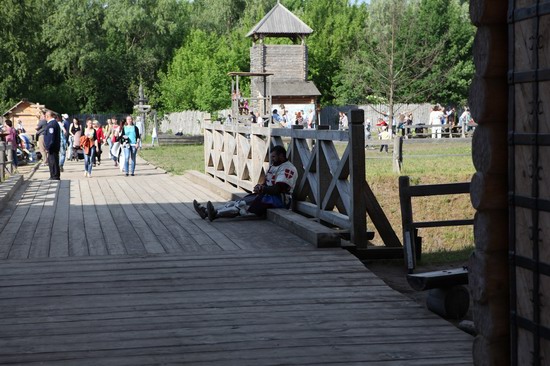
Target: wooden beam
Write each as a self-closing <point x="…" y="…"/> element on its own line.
<point x="379" y="218"/>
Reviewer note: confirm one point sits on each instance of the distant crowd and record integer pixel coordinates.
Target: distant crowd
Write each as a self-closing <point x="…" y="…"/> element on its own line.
<point x="59" y="139"/>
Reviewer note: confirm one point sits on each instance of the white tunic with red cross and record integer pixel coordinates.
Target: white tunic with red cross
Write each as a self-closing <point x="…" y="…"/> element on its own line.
<point x="283" y="173"/>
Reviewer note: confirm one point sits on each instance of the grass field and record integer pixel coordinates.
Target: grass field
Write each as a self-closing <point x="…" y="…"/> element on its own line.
<point x="424" y="163"/>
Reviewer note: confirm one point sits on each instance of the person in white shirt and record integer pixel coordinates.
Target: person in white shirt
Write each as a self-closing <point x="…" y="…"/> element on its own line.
<point x="435" y="120"/>
<point x="343" y="122"/>
<point x="275" y="192"/>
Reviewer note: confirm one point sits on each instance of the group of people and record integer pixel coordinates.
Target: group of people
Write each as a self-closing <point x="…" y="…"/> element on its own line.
<point x="20" y="142"/>
<point x="59" y="138"/>
<point x="300" y="118"/>
<point x="444" y="120"/>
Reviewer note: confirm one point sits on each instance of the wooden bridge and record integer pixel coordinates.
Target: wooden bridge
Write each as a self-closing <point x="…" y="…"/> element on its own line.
<point x="116" y="270"/>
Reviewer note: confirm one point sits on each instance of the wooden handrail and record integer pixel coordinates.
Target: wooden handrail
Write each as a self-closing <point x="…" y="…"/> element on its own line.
<point x="411" y="241"/>
<point x="331" y="187"/>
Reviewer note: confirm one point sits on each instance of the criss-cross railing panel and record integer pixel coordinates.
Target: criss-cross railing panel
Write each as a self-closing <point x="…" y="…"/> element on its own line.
<point x="328" y="188"/>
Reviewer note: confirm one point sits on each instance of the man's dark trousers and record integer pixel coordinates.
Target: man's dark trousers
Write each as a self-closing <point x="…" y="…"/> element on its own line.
<point x="53" y="164"/>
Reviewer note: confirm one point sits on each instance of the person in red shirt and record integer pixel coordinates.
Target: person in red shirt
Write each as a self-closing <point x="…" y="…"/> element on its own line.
<point x="100" y="140"/>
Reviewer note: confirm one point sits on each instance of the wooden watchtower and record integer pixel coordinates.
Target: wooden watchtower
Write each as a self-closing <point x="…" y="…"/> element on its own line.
<point x="287" y="63"/>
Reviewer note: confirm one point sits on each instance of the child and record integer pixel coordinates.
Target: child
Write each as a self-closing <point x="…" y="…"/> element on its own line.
<point x="384" y="135"/>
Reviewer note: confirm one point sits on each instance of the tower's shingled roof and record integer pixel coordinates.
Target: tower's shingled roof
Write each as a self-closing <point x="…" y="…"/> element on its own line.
<point x="280" y="22"/>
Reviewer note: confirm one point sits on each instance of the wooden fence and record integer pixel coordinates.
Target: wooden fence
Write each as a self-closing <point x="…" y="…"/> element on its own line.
<point x="411" y="241"/>
<point x="6" y="160"/>
<point x="330" y="188"/>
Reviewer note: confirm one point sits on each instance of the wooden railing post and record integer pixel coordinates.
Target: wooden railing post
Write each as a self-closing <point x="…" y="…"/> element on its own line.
<point x="324" y="177"/>
<point x="358" y="219"/>
<point x="9" y="161"/>
<point x="3" y="150"/>
<point x="407" y="220"/>
<point x="397" y="154"/>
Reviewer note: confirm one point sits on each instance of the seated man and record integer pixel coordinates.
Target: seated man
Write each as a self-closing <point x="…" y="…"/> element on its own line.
<point x="276" y="192"/>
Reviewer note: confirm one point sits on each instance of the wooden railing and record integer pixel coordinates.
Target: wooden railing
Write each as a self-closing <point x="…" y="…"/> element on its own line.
<point x="447" y="130"/>
<point x="411" y="241"/>
<point x="331" y="188"/>
<point x="6" y="160"/>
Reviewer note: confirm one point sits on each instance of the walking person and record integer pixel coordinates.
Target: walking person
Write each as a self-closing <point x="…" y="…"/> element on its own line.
<point x="52" y="144"/>
<point x="343" y="123"/>
<point x="100" y="138"/>
<point x="116" y="148"/>
<point x="108" y="132"/>
<point x="63" y="146"/>
<point x="66" y="125"/>
<point x="435" y="120"/>
<point x="384" y="135"/>
<point x="88" y="142"/>
<point x="130" y="141"/>
<point x="75" y="131"/>
<point x="11" y="137"/>
<point x="40" y="130"/>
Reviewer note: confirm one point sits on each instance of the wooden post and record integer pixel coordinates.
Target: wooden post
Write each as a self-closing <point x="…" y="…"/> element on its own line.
<point x="3" y="149"/>
<point x="323" y="176"/>
<point x="357" y="179"/>
<point x="9" y="160"/>
<point x="397" y="154"/>
<point x="407" y="220"/>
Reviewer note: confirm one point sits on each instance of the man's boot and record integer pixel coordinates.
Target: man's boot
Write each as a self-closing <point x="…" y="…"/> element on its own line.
<point x="201" y="210"/>
<point x="211" y="211"/>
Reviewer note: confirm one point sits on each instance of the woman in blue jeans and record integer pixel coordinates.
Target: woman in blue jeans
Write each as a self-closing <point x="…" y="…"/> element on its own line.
<point x="130" y="143"/>
<point x="88" y="143"/>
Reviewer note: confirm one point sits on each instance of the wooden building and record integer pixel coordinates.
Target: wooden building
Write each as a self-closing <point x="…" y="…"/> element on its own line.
<point x="509" y="271"/>
<point x="26" y="112"/>
<point x="288" y="64"/>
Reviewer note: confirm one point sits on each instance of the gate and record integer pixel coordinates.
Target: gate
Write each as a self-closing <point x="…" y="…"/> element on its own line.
<point x="529" y="178"/>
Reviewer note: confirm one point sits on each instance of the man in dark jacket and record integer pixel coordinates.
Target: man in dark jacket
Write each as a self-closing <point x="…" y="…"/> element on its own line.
<point x="52" y="142"/>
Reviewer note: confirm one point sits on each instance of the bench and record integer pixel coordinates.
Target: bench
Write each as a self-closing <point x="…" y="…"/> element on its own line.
<point x="306" y="228"/>
<point x="167" y="139"/>
<point x="447" y="297"/>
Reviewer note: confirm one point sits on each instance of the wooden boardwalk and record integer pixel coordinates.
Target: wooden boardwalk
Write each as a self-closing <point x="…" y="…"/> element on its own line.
<point x="113" y="270"/>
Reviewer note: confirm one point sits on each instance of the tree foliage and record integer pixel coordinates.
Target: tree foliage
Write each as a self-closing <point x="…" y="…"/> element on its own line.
<point x="90" y="56"/>
<point x="413" y="51"/>
<point x="197" y="77"/>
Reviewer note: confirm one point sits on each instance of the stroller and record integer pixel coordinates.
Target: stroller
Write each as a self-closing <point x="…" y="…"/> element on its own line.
<point x="76" y="152"/>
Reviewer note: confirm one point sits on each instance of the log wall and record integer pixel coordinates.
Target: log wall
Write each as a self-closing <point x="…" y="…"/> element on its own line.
<point x="284" y="61"/>
<point x="489" y="274"/>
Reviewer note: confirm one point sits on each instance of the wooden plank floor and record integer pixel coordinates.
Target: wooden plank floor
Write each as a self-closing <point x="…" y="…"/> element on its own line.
<point x="120" y="271"/>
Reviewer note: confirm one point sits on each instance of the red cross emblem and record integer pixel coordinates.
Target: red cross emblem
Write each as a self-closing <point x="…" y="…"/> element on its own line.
<point x="289" y="173"/>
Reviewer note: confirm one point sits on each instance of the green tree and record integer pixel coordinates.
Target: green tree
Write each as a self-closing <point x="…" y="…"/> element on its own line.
<point x="21" y="62"/>
<point x="144" y="34"/>
<point x="102" y="50"/>
<point x="446" y="24"/>
<point x="219" y="16"/>
<point x="75" y="47"/>
<point x="197" y="77"/>
<point x="335" y="24"/>
<point x="405" y="55"/>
